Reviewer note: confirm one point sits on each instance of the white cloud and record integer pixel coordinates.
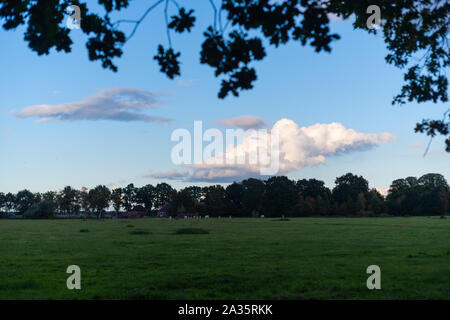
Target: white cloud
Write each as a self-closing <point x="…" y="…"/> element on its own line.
<point x="244" y="122"/>
<point x="299" y="147"/>
<point x="169" y="175"/>
<point x="119" y="104"/>
<point x="383" y="191"/>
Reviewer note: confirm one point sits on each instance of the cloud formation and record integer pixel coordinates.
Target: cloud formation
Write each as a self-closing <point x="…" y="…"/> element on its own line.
<point x="298" y="147"/>
<point x="119" y="104"/>
<point x="244" y="122"/>
<point x="169" y="175"/>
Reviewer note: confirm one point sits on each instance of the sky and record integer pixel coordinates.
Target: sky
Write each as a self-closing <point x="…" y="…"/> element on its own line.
<point x="65" y="120"/>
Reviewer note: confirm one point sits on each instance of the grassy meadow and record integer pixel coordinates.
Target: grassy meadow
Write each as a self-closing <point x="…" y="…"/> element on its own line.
<point x="302" y="258"/>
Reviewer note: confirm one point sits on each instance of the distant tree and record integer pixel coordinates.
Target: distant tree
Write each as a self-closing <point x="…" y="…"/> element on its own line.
<point x="163" y="194"/>
<point x="323" y="205"/>
<point x="435" y="194"/>
<point x="10" y="201"/>
<point x="24" y="200"/>
<point x="187" y="200"/>
<point x="347" y="189"/>
<point x="77" y="204"/>
<point x="234" y="195"/>
<point x="196" y="192"/>
<point x="129" y="196"/>
<point x="145" y="196"/>
<point x="99" y="198"/>
<point x="351" y="207"/>
<point x="215" y="200"/>
<point x="280" y="196"/>
<point x="51" y="201"/>
<point x="68" y="200"/>
<point x="49" y="195"/>
<point x="252" y="199"/>
<point x="342" y="208"/>
<point x="318" y="194"/>
<point x="116" y="198"/>
<point x="37" y="197"/>
<point x="404" y="197"/>
<point x="312" y="188"/>
<point x="360" y="203"/>
<point x="432" y="181"/>
<point x="44" y="209"/>
<point x="84" y="201"/>
<point x="375" y="202"/>
<point x="306" y="207"/>
<point x="182" y="202"/>
<point x="2" y="202"/>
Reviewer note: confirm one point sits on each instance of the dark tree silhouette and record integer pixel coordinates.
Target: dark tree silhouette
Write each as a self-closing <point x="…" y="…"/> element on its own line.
<point x="215" y="200"/>
<point x="253" y="195"/>
<point x="280" y="196"/>
<point x="349" y="186"/>
<point x="24" y="200"/>
<point x="430" y="194"/>
<point x="416" y="33"/>
<point x="182" y="202"/>
<point x="116" y="199"/>
<point x="277" y="196"/>
<point x="99" y="199"/>
<point x="145" y="195"/>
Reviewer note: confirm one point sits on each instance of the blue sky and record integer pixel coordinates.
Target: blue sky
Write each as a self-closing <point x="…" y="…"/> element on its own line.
<point x="353" y="86"/>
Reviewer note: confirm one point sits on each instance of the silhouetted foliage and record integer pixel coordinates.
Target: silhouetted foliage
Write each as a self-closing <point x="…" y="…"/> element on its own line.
<point x="253" y="196"/>
<point x="277" y="196"/>
<point x="215" y="201"/>
<point x="99" y="199"/>
<point x="45" y="209"/>
<point x="182" y="202"/>
<point x="280" y="196"/>
<point x="428" y="195"/>
<point x="23" y="201"/>
<point x="415" y="33"/>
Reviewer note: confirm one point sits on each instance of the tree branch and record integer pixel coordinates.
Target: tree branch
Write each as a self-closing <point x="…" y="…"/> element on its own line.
<point x="431" y="138"/>
<point x="137" y="22"/>
<point x="215" y="13"/>
<point x="166" y="18"/>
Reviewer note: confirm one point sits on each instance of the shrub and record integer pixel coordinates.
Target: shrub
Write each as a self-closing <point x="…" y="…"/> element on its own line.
<point x="192" y="231"/>
<point x="84" y="230"/>
<point x="43" y="210"/>
<point x="301" y="210"/>
<point x="140" y="232"/>
<point x="384" y="214"/>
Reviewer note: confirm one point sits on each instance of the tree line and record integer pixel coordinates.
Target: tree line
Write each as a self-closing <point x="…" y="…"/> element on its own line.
<point x="274" y="197"/>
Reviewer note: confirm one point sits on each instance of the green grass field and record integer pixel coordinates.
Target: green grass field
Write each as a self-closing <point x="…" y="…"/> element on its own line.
<point x="309" y="258"/>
